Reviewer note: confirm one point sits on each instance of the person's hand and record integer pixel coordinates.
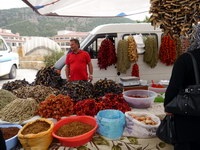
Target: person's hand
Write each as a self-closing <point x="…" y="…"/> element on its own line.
<point x="167" y="113"/>
<point x="90" y="78"/>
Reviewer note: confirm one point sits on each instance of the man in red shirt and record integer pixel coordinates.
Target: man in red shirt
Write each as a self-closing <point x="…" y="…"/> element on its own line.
<point x="77" y="62"/>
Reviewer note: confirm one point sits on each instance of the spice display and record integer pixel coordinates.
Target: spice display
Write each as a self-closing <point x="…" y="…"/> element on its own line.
<point x="101" y="87"/>
<point x="86" y="107"/>
<point x="106" y="54"/>
<point x="19" y="110"/>
<point x="123" y="62"/>
<point x="74" y="128"/>
<point x="56" y="107"/>
<point x="36" y="127"/>
<point x="110" y="101"/>
<point x="78" y="90"/>
<point x="12" y="85"/>
<point x="132" y="49"/>
<point x="6" y="97"/>
<point x="135" y="70"/>
<point x="167" y="53"/>
<point x="151" y="51"/>
<point x="175" y="17"/>
<point x="9" y="132"/>
<point x="113" y="101"/>
<point x="49" y="77"/>
<point x="38" y="92"/>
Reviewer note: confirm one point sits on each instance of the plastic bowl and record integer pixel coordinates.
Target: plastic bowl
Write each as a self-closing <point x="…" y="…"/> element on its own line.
<point x="139" y="98"/>
<point x="157" y="90"/>
<point x="11" y="142"/>
<point x="79" y="140"/>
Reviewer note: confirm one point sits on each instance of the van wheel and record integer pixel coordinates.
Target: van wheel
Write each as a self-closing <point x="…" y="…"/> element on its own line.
<point x="13" y="72"/>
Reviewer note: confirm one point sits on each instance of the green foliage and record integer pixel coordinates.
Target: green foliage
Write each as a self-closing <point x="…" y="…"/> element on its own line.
<point x="51" y="59"/>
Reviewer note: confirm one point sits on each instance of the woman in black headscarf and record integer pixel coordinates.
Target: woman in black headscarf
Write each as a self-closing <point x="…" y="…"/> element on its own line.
<point x="187" y="127"/>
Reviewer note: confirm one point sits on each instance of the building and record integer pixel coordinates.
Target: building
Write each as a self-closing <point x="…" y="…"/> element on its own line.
<point x="63" y="38"/>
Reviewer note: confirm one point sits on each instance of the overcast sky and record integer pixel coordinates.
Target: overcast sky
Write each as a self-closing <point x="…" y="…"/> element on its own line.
<point x="7" y="4"/>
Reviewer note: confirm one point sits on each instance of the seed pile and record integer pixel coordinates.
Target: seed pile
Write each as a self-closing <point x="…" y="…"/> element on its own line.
<point x="38" y="92"/>
<point x="10" y="86"/>
<point x="6" y="97"/>
<point x="19" y="110"/>
<point x="78" y="90"/>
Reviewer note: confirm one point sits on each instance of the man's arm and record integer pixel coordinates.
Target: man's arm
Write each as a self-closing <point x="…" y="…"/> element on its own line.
<point x="67" y="72"/>
<point x="90" y="68"/>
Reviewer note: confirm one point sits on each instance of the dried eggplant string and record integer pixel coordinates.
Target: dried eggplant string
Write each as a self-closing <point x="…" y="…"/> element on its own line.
<point x="19" y="110"/>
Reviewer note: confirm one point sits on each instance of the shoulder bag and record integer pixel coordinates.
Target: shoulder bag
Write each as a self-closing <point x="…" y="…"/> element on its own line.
<point x="187" y="102"/>
<point x="166" y="130"/>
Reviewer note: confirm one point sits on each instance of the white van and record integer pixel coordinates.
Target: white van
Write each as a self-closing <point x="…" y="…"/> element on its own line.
<point x="117" y="32"/>
<point x="9" y="61"/>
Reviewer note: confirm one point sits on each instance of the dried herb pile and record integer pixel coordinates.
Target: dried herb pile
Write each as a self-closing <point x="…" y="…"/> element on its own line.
<point x="38" y="92"/>
<point x="19" y="110"/>
<point x="10" y="86"/>
<point x="6" y="97"/>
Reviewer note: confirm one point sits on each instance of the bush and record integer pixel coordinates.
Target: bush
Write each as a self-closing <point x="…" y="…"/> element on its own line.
<point x="51" y="59"/>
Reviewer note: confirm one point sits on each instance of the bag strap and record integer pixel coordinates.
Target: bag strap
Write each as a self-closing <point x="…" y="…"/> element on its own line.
<point x="196" y="72"/>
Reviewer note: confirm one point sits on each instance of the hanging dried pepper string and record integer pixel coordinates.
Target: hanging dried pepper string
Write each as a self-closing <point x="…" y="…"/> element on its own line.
<point x="135" y="70"/>
<point x="167" y="53"/>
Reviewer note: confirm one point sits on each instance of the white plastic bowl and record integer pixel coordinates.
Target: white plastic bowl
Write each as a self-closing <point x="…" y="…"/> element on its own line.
<point x="157" y="90"/>
<point x="146" y="98"/>
<point x="11" y="142"/>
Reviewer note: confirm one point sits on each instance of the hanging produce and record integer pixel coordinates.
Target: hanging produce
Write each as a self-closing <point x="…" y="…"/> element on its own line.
<point x="167" y="53"/>
<point x="151" y="51"/>
<point x="178" y="46"/>
<point x="175" y="17"/>
<point x="135" y="70"/>
<point x="132" y="49"/>
<point x="123" y="62"/>
<point x="106" y="54"/>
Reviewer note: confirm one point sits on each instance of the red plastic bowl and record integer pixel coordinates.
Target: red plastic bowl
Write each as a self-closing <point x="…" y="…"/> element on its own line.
<point x="79" y="140"/>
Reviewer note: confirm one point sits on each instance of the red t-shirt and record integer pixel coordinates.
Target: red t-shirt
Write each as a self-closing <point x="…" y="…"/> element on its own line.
<point x="77" y="64"/>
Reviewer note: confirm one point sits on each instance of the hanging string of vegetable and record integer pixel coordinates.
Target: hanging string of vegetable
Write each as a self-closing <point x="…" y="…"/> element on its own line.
<point x="106" y="55"/>
<point x="123" y="62"/>
<point x="135" y="70"/>
<point x="132" y="49"/>
<point x="151" y="51"/>
<point x="167" y="53"/>
<point x="185" y="43"/>
<point x="178" y="46"/>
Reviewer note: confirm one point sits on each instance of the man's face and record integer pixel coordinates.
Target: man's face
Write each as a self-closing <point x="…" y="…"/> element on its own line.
<point x="73" y="46"/>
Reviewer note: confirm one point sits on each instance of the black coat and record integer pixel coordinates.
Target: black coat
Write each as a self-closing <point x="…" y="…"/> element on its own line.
<point x="187" y="128"/>
<point x="2" y="142"/>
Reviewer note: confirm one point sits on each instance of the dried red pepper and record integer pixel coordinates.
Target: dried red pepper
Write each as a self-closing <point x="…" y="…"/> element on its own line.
<point x="135" y="70"/>
<point x="167" y="53"/>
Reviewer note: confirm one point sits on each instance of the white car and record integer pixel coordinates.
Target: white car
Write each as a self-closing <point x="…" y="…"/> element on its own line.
<point x="9" y="61"/>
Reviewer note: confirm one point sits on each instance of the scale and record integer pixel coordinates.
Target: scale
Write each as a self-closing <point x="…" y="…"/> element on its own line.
<point x="130" y="81"/>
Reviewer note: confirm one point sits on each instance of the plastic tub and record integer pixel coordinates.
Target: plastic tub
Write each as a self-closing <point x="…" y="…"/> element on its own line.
<point x="79" y="140"/>
<point x="11" y="143"/>
<point x="157" y="90"/>
<point x="139" y="98"/>
<point x="111" y="123"/>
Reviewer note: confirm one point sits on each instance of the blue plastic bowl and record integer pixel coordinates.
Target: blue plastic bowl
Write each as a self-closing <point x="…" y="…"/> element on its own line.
<point x="11" y="142"/>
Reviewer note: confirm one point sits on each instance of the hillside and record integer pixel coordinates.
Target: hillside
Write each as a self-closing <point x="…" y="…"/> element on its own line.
<point x="28" y="23"/>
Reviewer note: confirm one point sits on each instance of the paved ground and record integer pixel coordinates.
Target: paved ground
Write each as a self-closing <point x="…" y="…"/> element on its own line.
<point x="27" y="74"/>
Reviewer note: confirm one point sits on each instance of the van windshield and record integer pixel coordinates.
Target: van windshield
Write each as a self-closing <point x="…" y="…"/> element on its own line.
<point x="2" y="46"/>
